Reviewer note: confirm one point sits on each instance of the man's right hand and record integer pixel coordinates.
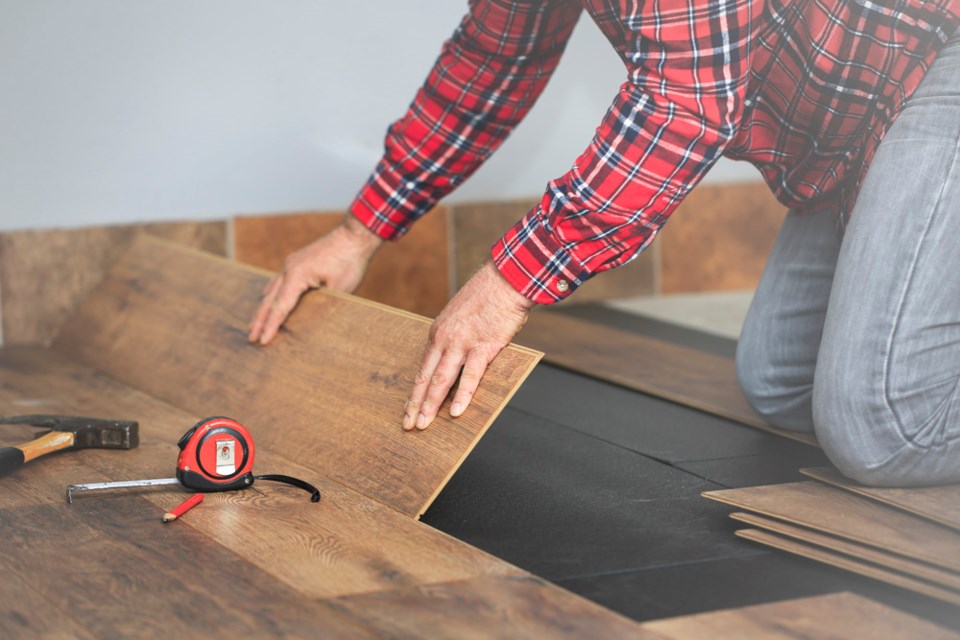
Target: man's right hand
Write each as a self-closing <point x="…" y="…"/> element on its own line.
<point x="337" y="260"/>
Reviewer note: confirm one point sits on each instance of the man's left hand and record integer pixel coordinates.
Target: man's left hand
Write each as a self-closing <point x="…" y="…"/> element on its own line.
<point x="470" y="331"/>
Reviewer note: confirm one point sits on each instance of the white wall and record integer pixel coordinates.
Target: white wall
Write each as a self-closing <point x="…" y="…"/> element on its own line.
<point x="134" y="110"/>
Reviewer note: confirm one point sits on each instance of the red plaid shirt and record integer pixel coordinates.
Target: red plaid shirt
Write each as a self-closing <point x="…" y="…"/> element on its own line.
<point x="804" y="90"/>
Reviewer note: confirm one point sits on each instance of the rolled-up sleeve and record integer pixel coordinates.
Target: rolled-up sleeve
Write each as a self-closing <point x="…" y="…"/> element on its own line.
<point x="688" y="70"/>
<point x="486" y="79"/>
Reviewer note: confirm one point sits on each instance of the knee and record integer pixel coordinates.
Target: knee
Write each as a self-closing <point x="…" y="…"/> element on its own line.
<point x="778" y="400"/>
<point x="866" y="443"/>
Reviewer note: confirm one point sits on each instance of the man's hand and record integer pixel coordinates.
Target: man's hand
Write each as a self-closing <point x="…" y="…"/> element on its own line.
<point x="470" y="331"/>
<point x="338" y="260"/>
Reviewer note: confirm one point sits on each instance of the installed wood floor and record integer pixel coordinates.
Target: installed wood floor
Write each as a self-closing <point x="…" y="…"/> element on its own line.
<point x="591" y="486"/>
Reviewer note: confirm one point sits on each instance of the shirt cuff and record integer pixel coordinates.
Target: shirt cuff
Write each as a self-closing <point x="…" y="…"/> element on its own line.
<point x="537" y="263"/>
<point x="388" y="204"/>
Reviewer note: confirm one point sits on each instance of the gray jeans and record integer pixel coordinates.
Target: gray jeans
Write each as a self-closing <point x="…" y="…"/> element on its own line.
<point x="858" y="338"/>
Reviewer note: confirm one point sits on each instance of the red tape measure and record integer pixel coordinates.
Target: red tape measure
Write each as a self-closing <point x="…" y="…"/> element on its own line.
<point x="216" y="454"/>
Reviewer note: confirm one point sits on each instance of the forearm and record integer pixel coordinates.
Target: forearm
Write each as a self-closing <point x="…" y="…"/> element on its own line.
<point x="485" y="81"/>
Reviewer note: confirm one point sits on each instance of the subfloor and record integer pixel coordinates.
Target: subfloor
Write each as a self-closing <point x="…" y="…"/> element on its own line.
<point x="597" y="488"/>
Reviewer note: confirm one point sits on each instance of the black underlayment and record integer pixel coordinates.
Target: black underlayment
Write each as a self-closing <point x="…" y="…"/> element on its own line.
<point x="597" y="488"/>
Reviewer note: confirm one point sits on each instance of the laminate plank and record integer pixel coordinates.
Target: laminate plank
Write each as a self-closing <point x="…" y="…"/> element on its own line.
<point x="26" y="613"/>
<point x="686" y="376"/>
<point x="940" y="504"/>
<point x="328" y="393"/>
<point x="413" y="275"/>
<point x="840" y="513"/>
<point x="835" y="615"/>
<point x="345" y="544"/>
<point x="924" y="571"/>
<point x="75" y="260"/>
<point x="849" y="564"/>
<point x="119" y="571"/>
<point x="475" y="609"/>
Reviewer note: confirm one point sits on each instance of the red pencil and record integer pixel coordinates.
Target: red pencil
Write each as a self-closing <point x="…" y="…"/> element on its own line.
<point x="183" y="507"/>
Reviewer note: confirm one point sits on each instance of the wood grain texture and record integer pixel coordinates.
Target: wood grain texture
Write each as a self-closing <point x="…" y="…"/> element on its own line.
<point x="127" y="575"/>
<point x="687" y="376"/>
<point x="944" y="578"/>
<point x="345" y="544"/>
<point x="840" y="513"/>
<point x="719" y="238"/>
<point x="474" y="608"/>
<point x="940" y="504"/>
<point x="412" y="274"/>
<point x="44" y="275"/>
<point x="26" y="613"/>
<point x="831" y="616"/>
<point x="477" y="226"/>
<point x="849" y="564"/>
<point x="173" y="323"/>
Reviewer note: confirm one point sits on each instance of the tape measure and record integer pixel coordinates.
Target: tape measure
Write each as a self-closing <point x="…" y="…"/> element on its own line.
<point x="216" y="454"/>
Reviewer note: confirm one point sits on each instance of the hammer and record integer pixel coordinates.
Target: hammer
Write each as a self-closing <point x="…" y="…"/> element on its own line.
<point x="66" y="433"/>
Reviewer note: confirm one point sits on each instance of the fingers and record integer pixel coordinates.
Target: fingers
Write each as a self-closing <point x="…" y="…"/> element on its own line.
<point x="473" y="371"/>
<point x="281" y="304"/>
<point x="432" y="385"/>
<point x="260" y="317"/>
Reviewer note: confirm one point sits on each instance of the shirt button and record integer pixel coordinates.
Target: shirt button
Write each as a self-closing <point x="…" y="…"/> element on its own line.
<point x="562" y="285"/>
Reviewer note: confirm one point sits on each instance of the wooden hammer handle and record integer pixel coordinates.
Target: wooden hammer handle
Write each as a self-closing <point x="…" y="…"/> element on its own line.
<point x="47" y="443"/>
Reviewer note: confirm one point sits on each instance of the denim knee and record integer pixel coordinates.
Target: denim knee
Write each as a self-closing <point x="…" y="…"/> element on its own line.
<point x="780" y="401"/>
<point x="865" y="441"/>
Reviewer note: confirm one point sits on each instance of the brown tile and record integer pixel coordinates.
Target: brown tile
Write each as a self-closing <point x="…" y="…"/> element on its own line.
<point x="45" y="274"/>
<point x="719" y="238"/>
<point x="478" y="225"/>
<point x="412" y="274"/>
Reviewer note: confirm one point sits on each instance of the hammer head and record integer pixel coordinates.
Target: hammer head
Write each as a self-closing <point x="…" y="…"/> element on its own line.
<point x="89" y="433"/>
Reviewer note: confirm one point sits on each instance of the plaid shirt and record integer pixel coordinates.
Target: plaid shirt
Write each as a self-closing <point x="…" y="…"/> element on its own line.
<point x="805" y="90"/>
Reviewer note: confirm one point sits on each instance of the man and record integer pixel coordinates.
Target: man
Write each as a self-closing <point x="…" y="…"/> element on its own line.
<point x="804" y="90"/>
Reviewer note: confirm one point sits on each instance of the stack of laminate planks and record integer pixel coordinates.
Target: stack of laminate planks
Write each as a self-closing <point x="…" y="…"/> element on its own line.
<point x="906" y="537"/>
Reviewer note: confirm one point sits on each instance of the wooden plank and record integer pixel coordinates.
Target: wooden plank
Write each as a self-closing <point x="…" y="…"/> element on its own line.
<point x="26" y="613"/>
<point x="922" y="570"/>
<point x="719" y="238"/>
<point x="413" y="275"/>
<point x="835" y="615"/>
<point x="849" y="564"/>
<point x="478" y="225"/>
<point x="121" y="573"/>
<point x="687" y="376"/>
<point x="66" y="264"/>
<point x="475" y="608"/>
<point x="173" y="322"/>
<point x="940" y="504"/>
<point x="839" y="513"/>
<point x="345" y="544"/>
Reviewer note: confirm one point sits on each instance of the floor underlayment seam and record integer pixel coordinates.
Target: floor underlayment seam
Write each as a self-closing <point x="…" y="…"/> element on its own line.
<point x="618" y="445"/>
<point x="663" y="565"/>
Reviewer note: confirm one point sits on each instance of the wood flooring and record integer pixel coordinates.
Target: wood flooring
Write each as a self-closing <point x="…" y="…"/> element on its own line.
<point x="836" y="615"/>
<point x="161" y="341"/>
